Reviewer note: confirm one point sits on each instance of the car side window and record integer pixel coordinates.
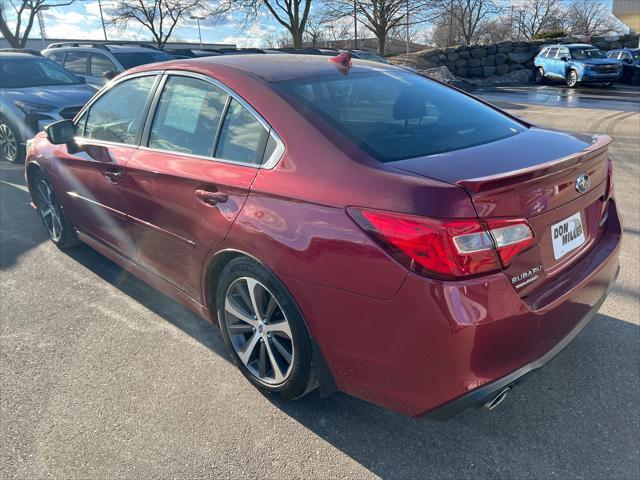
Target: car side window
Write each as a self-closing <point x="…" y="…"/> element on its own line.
<point x="242" y="137"/>
<point x="117" y="115"/>
<point x="552" y="53"/>
<point x="544" y="52"/>
<point x="57" y="57"/>
<point x="563" y="52"/>
<point x="99" y="64"/>
<point x="188" y="116"/>
<point x="76" y="62"/>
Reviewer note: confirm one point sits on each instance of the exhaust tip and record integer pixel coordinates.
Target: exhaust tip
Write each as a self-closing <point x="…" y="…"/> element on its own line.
<point x="496" y="400"/>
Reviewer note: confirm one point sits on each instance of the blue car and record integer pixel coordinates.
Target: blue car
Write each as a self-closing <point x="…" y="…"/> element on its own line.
<point x="34" y="92"/>
<point x="576" y="63"/>
<point x="629" y="58"/>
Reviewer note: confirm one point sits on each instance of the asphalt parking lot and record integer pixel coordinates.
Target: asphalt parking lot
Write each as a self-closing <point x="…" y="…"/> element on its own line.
<point x="103" y="377"/>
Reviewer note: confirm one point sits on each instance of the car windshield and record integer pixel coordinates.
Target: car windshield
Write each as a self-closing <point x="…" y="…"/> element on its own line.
<point x="133" y="59"/>
<point x="398" y="115"/>
<point x="33" y="72"/>
<point x="586" y="53"/>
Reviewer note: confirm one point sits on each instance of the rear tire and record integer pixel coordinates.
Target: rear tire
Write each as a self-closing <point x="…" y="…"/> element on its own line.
<point x="540" y="78"/>
<point x="572" y="79"/>
<point x="264" y="330"/>
<point x="11" y="144"/>
<point x="58" y="227"/>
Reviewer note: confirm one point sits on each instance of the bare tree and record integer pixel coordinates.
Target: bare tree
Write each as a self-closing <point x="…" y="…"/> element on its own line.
<point x="469" y="16"/>
<point x="338" y="31"/>
<point x="159" y="17"/>
<point x="537" y="16"/>
<point x="380" y="17"/>
<point x="315" y="28"/>
<point x="277" y="40"/>
<point x="495" y="30"/>
<point x="591" y="17"/>
<point x="291" y="14"/>
<point x="25" y="12"/>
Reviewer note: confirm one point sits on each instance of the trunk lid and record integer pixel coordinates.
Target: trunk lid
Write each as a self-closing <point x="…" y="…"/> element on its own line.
<point x="532" y="176"/>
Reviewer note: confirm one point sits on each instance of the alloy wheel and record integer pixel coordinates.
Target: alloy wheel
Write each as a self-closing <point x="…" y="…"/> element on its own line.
<point x="573" y="79"/>
<point x="49" y="210"/>
<point x="8" y="143"/>
<point x="539" y="75"/>
<point x="259" y="331"/>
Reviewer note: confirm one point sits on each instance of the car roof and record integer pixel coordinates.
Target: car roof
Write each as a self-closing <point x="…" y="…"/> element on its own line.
<point x="273" y="68"/>
<point x="20" y="55"/>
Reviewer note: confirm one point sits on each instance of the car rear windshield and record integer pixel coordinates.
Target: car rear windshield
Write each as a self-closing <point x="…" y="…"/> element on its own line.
<point x="33" y="72"/>
<point x="398" y="115"/>
<point x="586" y="53"/>
<point x="133" y="59"/>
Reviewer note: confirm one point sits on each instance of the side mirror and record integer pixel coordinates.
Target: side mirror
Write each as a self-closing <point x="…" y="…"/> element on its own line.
<point x="109" y="74"/>
<point x="564" y="59"/>
<point x="61" y="132"/>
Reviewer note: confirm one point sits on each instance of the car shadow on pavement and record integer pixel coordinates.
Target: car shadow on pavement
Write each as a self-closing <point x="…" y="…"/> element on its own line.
<point x="577" y="417"/>
<point x="20" y="227"/>
<point x="147" y="296"/>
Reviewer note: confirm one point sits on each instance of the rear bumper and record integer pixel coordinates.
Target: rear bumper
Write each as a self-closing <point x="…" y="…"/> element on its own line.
<point x="481" y="395"/>
<point x="438" y="347"/>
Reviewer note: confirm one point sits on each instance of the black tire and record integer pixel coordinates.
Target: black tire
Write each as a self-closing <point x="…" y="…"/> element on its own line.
<point x="11" y="143"/>
<point x="302" y="377"/>
<point x="572" y="79"/>
<point x="55" y="221"/>
<point x="540" y="78"/>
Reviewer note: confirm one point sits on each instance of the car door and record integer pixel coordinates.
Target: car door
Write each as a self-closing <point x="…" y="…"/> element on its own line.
<point x="185" y="187"/>
<point x="92" y="169"/>
<point x="551" y="63"/>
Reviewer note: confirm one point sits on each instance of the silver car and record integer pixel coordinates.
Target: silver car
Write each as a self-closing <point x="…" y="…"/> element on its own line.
<point x="34" y="92"/>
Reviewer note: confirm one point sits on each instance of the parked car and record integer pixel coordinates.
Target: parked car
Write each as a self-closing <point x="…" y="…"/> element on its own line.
<point x="364" y="55"/>
<point x="629" y="58"/>
<point x="98" y="63"/>
<point x="359" y="228"/>
<point x="183" y="53"/>
<point x="574" y="64"/>
<point x="34" y="92"/>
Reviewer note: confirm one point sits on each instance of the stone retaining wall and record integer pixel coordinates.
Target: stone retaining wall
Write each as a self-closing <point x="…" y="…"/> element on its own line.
<point x="481" y="61"/>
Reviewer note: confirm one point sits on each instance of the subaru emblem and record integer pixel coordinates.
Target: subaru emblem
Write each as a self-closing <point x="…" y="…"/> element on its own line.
<point x="583" y="183"/>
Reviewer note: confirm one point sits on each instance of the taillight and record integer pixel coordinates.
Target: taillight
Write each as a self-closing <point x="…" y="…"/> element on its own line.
<point x="609" y="193"/>
<point x="445" y="249"/>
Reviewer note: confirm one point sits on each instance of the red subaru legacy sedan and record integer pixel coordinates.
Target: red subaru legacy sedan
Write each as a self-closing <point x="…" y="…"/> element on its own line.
<point x="349" y="227"/>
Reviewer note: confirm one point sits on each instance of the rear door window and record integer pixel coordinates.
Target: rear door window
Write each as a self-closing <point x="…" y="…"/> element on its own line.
<point x="188" y="116"/>
<point x="242" y="137"/>
<point x="57" y="57"/>
<point x="552" y="53"/>
<point x="117" y="115"/>
<point x="100" y="64"/>
<point x="77" y="62"/>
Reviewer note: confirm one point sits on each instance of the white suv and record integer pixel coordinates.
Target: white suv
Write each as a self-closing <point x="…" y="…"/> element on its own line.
<point x="97" y="63"/>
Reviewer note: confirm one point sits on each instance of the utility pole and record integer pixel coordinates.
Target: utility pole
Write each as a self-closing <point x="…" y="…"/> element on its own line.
<point x="408" y="26"/>
<point x="43" y="33"/>
<point x="450" y="24"/>
<point x="355" y="24"/>
<point x="104" y="30"/>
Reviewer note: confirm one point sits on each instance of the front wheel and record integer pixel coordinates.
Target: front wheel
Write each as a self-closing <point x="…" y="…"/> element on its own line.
<point x="264" y="331"/>
<point x="11" y="148"/>
<point x="572" y="79"/>
<point x="59" y="228"/>
<point x="540" y="78"/>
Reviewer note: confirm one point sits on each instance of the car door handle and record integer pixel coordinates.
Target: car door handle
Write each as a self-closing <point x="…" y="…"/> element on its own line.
<point x="211" y="198"/>
<point x="114" y="176"/>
